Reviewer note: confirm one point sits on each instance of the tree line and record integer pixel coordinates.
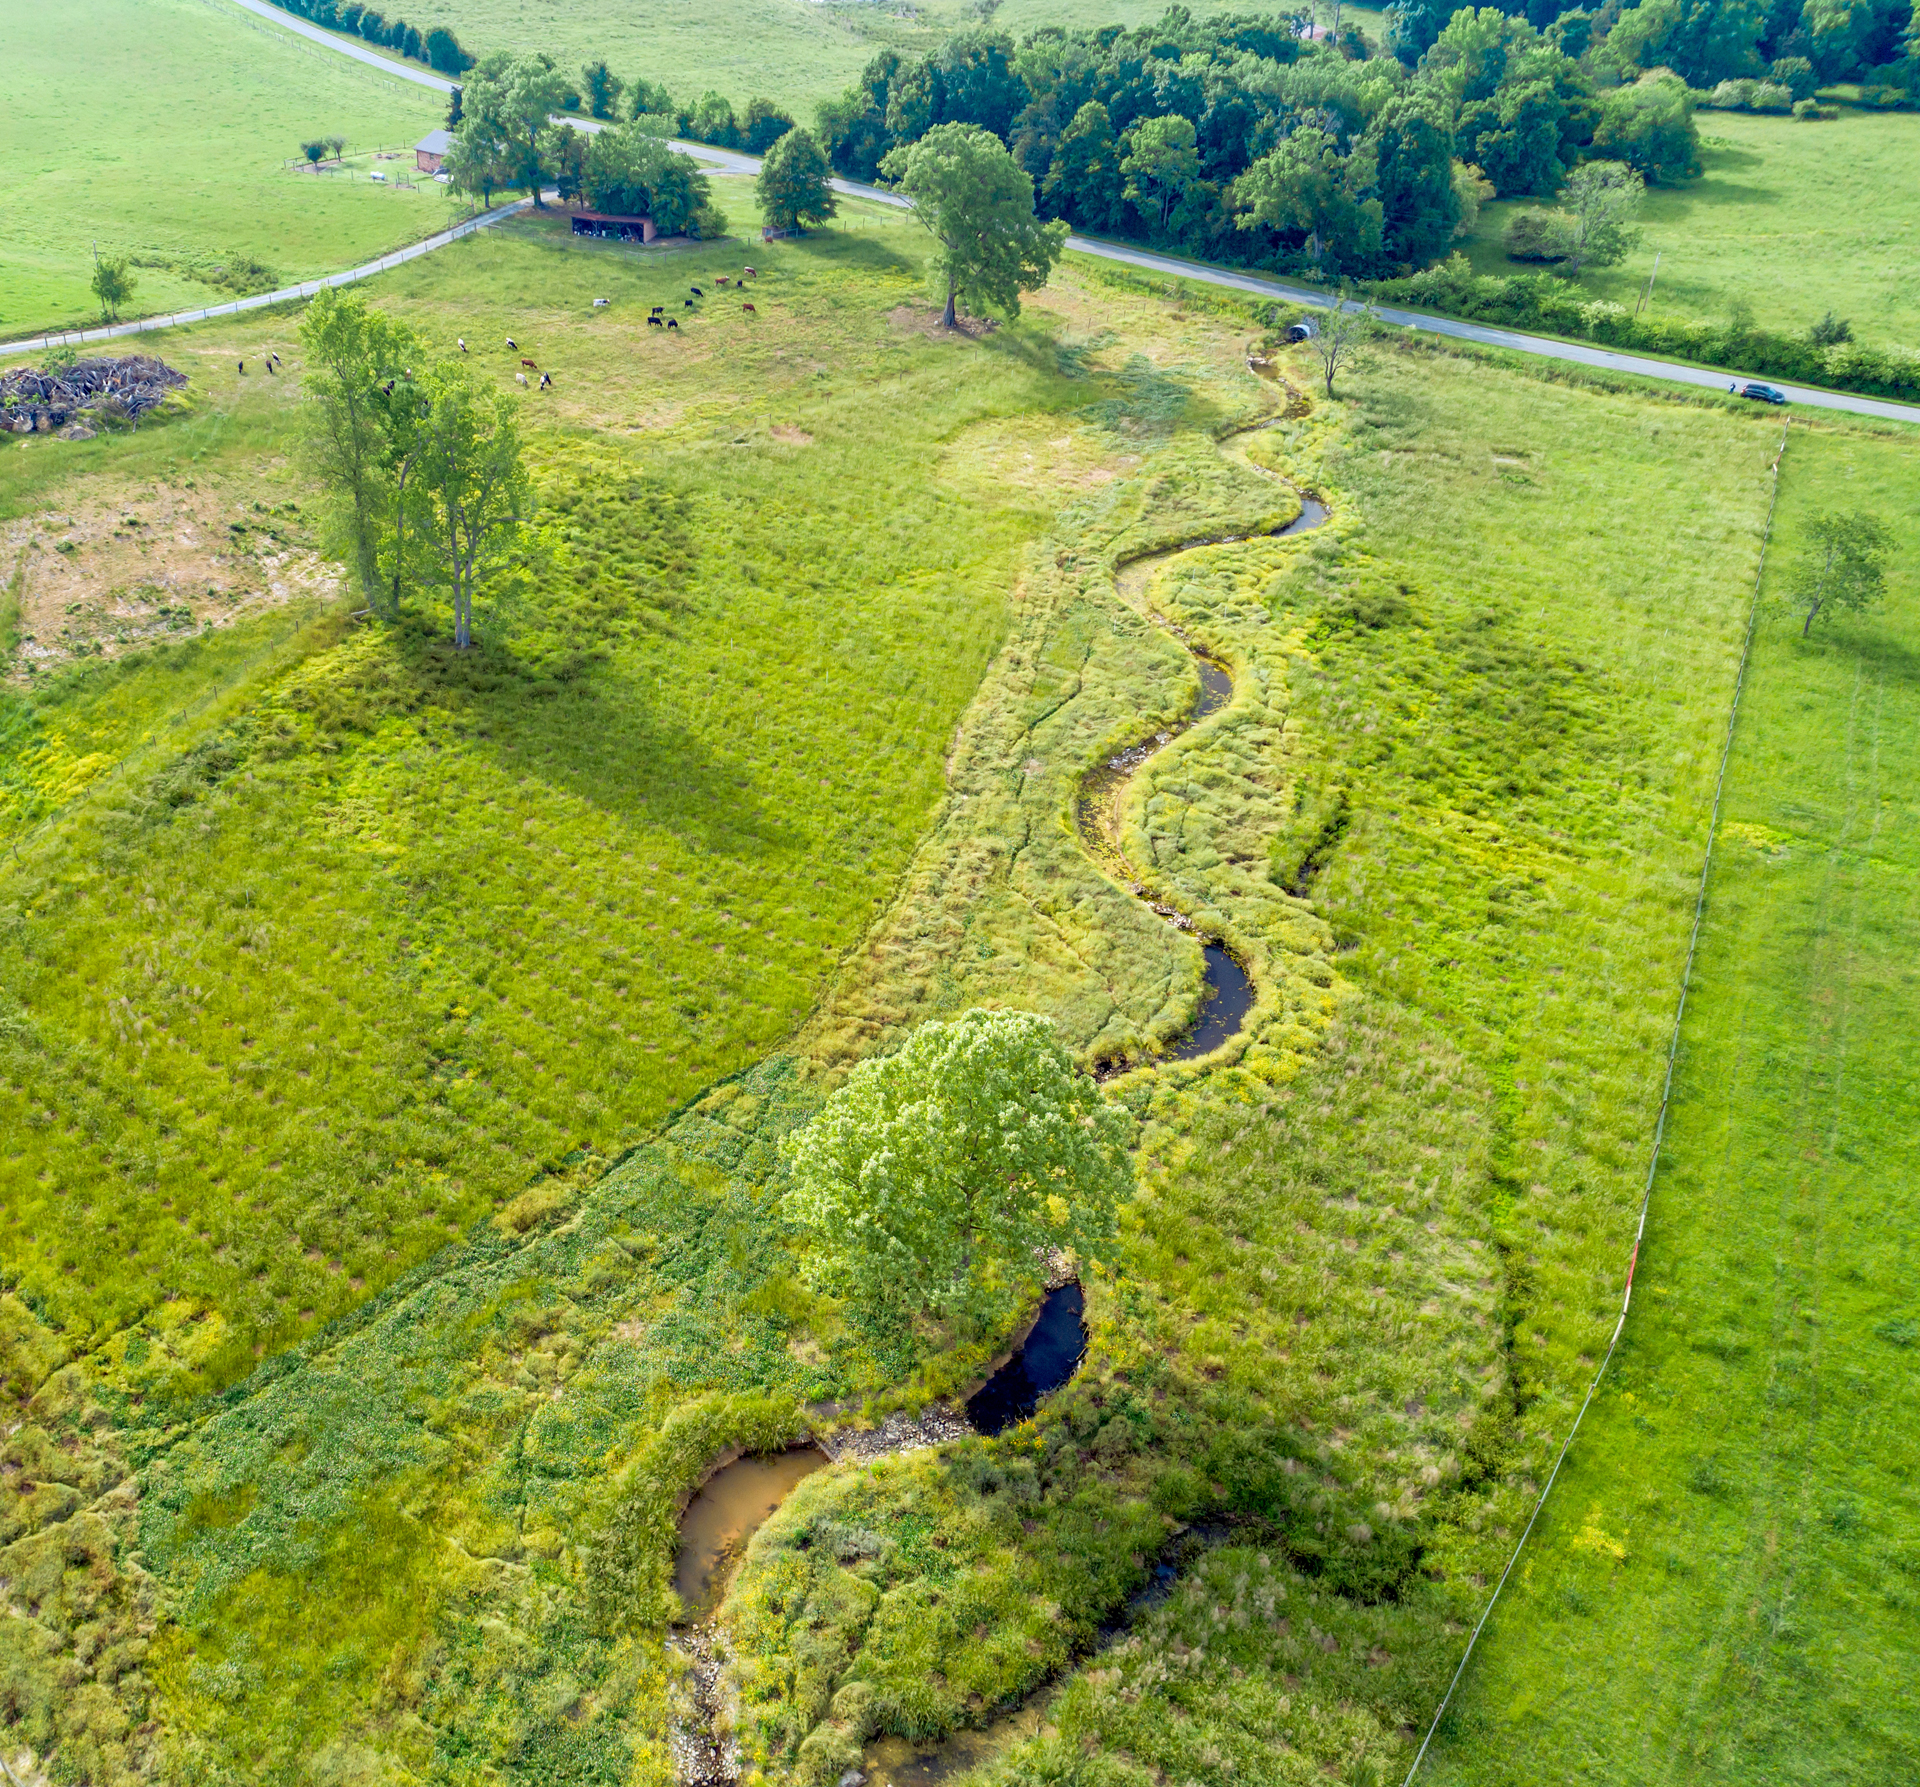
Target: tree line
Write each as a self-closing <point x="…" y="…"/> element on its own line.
<point x="438" y="49"/>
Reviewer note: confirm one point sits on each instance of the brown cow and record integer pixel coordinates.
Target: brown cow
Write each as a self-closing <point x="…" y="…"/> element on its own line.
<point x="748" y="273"/>
<point x="749" y="307"/>
<point x="528" y="364"/>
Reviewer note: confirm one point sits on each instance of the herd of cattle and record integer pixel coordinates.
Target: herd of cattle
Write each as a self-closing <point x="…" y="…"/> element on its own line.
<point x="656" y="318"/>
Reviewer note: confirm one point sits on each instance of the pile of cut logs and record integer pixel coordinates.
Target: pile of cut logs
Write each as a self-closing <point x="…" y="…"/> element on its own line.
<point x="124" y="389"/>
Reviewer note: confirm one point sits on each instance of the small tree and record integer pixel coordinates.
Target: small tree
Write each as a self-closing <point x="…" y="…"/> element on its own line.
<point x="1598" y="203"/>
<point x="476" y="161"/>
<point x="763" y="126"/>
<point x="937" y="1171"/>
<point x="1343" y="334"/>
<point x="570" y="164"/>
<point x="315" y="151"/>
<point x="603" y="89"/>
<point x="472" y="474"/>
<point x="793" y="184"/>
<point x="1842" y="566"/>
<point x="112" y="284"/>
<point x="1830" y="331"/>
<point x="1161" y="163"/>
<point x="338" y="145"/>
<point x="976" y="202"/>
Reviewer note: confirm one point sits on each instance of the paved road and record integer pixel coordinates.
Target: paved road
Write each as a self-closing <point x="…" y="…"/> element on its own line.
<point x="1540" y="346"/>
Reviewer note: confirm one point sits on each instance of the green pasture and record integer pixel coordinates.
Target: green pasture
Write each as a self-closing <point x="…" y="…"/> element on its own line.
<point x="1726" y="1587"/>
<point x="157" y="129"/>
<point x="396" y="1044"/>
<point x="1791" y="219"/>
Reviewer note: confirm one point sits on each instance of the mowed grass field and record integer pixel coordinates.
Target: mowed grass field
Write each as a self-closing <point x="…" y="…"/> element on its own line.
<point x="157" y="128"/>
<point x="1727" y="1585"/>
<point x="1791" y="219"/>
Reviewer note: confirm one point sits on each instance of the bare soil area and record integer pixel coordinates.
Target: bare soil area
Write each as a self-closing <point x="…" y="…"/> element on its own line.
<point x="117" y="569"/>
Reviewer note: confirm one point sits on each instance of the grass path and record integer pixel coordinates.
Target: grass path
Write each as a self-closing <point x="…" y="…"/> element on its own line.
<point x="1725" y="1586"/>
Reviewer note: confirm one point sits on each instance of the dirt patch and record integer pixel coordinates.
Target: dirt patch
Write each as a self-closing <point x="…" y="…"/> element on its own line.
<point x="791" y="436"/>
<point x="925" y="319"/>
<point x="116" y="570"/>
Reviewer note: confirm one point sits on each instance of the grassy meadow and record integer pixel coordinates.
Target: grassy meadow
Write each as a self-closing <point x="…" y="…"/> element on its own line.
<point x="394" y="1044"/>
<point x="1725" y="1586"/>
<point x="1789" y="218"/>
<point x="189" y="186"/>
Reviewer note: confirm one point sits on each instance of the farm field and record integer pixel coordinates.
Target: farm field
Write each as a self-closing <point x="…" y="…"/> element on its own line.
<point x="390" y="1233"/>
<point x="1792" y="219"/>
<point x="185" y="185"/>
<point x="1724" y="1589"/>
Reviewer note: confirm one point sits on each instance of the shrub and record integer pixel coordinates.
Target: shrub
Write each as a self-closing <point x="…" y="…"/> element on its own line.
<point x="1534" y="235"/>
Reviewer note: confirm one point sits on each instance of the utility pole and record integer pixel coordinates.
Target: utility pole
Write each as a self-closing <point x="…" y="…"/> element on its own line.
<point x="1646" y="297"/>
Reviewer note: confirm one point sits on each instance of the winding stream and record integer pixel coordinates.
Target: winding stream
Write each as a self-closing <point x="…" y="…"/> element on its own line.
<point x="1228" y="993"/>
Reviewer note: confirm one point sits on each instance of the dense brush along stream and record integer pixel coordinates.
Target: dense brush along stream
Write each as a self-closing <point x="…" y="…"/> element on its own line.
<point x="1229" y="992"/>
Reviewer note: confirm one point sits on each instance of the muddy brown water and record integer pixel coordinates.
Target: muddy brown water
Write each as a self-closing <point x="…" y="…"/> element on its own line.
<point x="730" y="1507"/>
<point x="1228" y="993"/>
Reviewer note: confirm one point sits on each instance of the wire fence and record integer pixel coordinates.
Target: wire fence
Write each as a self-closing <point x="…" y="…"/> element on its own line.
<point x="1660" y="1122"/>
<point x="263" y="300"/>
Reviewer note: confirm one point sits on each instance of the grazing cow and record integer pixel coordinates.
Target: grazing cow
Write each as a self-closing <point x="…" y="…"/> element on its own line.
<point x="269" y="362"/>
<point x="657" y="309"/>
<point x="521" y="376"/>
<point x="748" y="273"/>
<point x="514" y="345"/>
<point x="697" y="292"/>
<point x="673" y="322"/>
<point x="546" y="381"/>
<point x="653" y="322"/>
<point x="243" y="368"/>
<point x="749" y="307"/>
<point x="723" y="280"/>
<point x="601" y="303"/>
<point x="528" y="364"/>
<point x="686" y="303"/>
<point x="463" y="344"/>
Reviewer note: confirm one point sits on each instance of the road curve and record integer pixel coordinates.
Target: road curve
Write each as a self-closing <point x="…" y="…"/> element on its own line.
<point x="1546" y="347"/>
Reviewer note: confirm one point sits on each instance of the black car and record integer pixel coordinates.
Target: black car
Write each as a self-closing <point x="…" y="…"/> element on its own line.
<point x="1759" y="393"/>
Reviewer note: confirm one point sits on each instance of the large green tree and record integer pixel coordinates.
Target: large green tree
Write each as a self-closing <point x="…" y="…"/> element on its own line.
<point x="357" y="358"/>
<point x="1084" y="181"/>
<point x="977" y="204"/>
<point x="1161" y="162"/>
<point x="631" y="172"/>
<point x="1650" y="127"/>
<point x="512" y="99"/>
<point x="1306" y="187"/>
<point x="1842" y="567"/>
<point x="472" y="484"/>
<point x="793" y="187"/>
<point x="939" y="1171"/>
<point x="1420" y="202"/>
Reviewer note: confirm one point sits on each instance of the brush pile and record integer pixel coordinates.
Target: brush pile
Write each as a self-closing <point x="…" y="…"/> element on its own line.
<point x="32" y="401"/>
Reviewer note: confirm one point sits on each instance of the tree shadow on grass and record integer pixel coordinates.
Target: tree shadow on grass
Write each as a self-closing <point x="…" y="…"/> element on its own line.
<point x="847" y="248"/>
<point x="591" y="731"/>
